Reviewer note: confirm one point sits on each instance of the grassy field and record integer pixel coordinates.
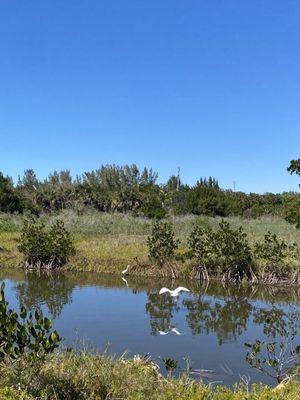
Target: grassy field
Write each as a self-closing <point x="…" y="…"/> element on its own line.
<point x="108" y="242"/>
<point x="69" y="376"/>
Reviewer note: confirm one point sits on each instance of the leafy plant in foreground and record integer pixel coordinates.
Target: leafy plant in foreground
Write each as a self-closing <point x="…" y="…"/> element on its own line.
<point x="170" y="365"/>
<point x="45" y="248"/>
<point x="277" y="359"/>
<point x="25" y="335"/>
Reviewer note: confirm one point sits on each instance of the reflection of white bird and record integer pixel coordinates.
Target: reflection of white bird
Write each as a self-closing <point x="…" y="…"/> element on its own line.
<point x="175" y="330"/>
<point x="125" y="271"/>
<point x="125" y="280"/>
<point x="173" y="293"/>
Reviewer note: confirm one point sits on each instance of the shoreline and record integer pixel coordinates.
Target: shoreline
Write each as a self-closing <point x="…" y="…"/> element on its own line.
<point x="65" y="374"/>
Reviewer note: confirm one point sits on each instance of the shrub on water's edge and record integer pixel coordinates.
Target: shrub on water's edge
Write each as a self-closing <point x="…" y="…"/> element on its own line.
<point x="162" y="243"/>
<point x="45" y="248"/>
<point x="276" y="256"/>
<point x="225" y="252"/>
<point x="274" y="250"/>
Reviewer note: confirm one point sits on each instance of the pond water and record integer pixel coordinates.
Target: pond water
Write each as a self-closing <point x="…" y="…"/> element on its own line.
<point x="107" y="313"/>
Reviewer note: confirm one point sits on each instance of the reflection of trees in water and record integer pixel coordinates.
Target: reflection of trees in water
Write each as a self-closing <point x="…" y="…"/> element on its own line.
<point x="226" y="314"/>
<point x="227" y="318"/>
<point x="52" y="290"/>
<point x="276" y="321"/>
<point x="161" y="310"/>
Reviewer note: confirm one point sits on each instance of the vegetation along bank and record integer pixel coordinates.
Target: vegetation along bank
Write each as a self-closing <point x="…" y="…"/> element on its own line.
<point x="116" y="216"/>
<point x="265" y="249"/>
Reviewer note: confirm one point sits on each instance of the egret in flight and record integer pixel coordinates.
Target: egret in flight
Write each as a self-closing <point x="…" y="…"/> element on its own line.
<point x="173" y="293"/>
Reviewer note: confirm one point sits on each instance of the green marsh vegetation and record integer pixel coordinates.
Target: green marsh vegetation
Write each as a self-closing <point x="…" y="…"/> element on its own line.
<point x="107" y="242"/>
<point x="45" y="248"/>
<point x="110" y="212"/>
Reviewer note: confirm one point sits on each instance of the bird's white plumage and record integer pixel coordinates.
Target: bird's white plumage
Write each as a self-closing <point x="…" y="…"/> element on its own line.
<point x="174" y="330"/>
<point x="125" y="280"/>
<point x="175" y="292"/>
<point x="125" y="271"/>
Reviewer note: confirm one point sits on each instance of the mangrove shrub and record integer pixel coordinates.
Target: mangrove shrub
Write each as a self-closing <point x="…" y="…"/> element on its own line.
<point x="162" y="243"/>
<point x="225" y="251"/>
<point x="277" y="257"/>
<point x="45" y="248"/>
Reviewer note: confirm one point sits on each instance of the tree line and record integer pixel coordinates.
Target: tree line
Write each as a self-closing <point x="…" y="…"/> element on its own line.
<point x="126" y="189"/>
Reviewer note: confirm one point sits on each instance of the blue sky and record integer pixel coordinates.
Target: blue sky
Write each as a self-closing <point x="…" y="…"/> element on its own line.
<point x="210" y="86"/>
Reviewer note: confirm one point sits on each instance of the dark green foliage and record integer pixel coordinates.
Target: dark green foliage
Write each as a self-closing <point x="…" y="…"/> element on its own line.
<point x="226" y="251"/>
<point x="153" y="208"/>
<point x="291" y="211"/>
<point x="162" y="243"/>
<point x="45" y="248"/>
<point x="274" y="250"/>
<point x="24" y="335"/>
<point x="126" y="189"/>
<point x="9" y="201"/>
<point x="292" y="205"/>
<point x="170" y="365"/>
<point x="294" y="167"/>
<point x="207" y="200"/>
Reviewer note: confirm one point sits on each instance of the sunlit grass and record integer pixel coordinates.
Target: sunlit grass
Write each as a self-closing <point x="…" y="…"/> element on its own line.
<point x="99" y="376"/>
<point x="108" y="242"/>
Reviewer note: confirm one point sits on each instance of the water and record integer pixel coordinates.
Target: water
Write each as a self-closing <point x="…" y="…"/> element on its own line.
<point x="106" y="313"/>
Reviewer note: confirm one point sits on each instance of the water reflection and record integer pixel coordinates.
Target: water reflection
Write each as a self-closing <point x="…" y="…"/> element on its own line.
<point x="227" y="318"/>
<point x="48" y="290"/>
<point x="161" y="310"/>
<point x="225" y="311"/>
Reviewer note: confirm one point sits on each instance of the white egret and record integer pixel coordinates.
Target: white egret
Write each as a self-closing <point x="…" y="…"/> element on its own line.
<point x="173" y="293"/>
<point x="125" y="271"/>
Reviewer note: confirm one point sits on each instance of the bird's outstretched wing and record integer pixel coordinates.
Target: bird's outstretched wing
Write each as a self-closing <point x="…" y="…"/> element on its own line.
<point x="164" y="290"/>
<point x="181" y="289"/>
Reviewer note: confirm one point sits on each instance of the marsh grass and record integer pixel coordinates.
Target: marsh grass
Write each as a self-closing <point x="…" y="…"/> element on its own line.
<point x="69" y="375"/>
<point x="108" y="242"/>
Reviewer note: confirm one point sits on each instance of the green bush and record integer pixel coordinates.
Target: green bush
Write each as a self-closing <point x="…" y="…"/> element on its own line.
<point x="45" y="248"/>
<point x="225" y="252"/>
<point x="24" y="336"/>
<point x="291" y="211"/>
<point x="274" y="250"/>
<point x="153" y="208"/>
<point x="162" y="243"/>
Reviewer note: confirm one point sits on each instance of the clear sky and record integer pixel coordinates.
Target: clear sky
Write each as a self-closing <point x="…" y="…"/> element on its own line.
<point x="210" y="86"/>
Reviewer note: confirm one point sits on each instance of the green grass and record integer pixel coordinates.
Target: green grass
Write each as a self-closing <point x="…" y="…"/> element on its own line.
<point x="66" y="376"/>
<point x="108" y="242"/>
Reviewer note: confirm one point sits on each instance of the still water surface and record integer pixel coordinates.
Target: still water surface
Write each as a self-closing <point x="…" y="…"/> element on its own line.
<point x="105" y="312"/>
